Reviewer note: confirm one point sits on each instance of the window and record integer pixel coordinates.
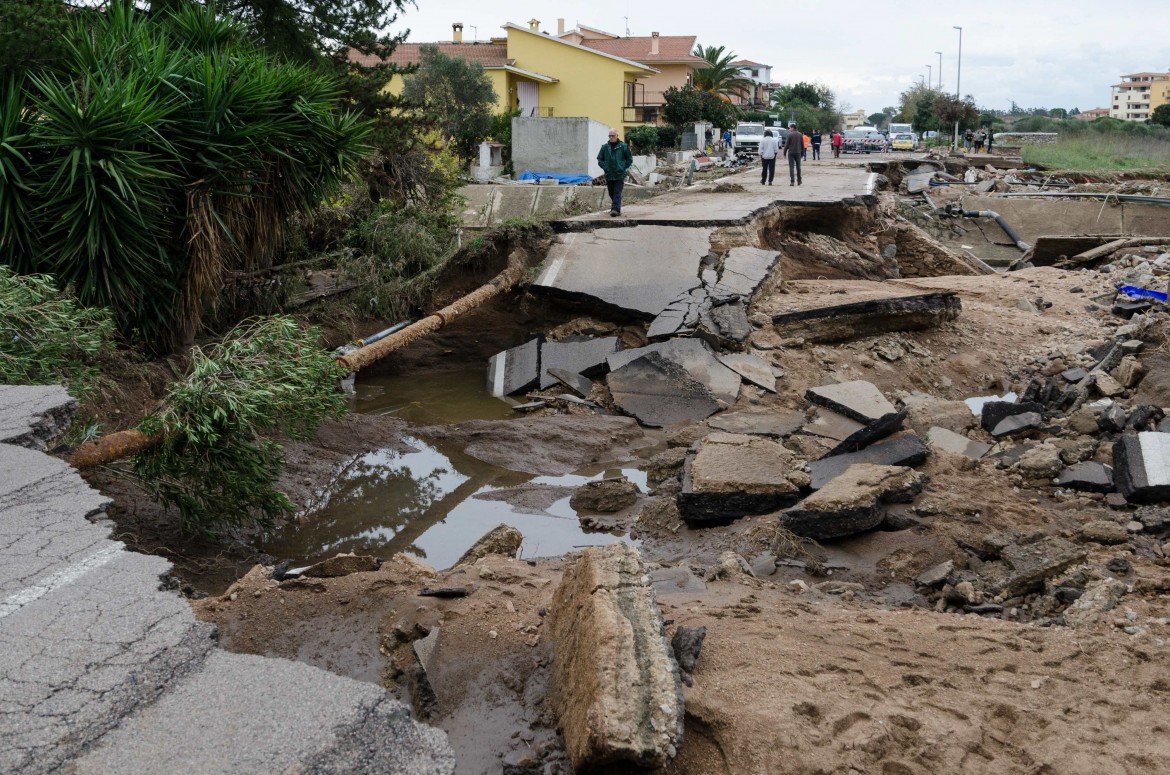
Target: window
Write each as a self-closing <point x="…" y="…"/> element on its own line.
<point x="755" y="72"/>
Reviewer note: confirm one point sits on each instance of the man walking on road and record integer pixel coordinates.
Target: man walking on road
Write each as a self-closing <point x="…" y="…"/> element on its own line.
<point x="836" y="140"/>
<point x="769" y="148"/>
<point x="816" y="144"/>
<point x="793" y="149"/>
<point x="615" y="158"/>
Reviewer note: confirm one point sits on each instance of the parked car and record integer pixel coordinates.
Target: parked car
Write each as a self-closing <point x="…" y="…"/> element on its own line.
<point x="863" y="140"/>
<point x="904" y="141"/>
<point x="748" y="137"/>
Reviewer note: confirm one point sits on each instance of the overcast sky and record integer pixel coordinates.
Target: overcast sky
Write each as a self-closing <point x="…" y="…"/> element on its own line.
<point x="1045" y="53"/>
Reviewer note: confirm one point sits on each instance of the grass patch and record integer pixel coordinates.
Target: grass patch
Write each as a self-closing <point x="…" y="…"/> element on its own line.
<point x="1103" y="153"/>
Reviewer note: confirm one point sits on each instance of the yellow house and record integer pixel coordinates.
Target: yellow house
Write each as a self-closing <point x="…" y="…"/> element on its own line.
<point x="1138" y="94"/>
<point x="541" y="75"/>
<point x="670" y="55"/>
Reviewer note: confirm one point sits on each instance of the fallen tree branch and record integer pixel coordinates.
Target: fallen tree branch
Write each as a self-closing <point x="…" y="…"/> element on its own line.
<point x="127" y="443"/>
<point x="501" y="283"/>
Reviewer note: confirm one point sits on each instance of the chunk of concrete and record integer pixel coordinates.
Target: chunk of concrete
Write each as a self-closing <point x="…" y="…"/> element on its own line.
<point x="516" y="370"/>
<point x="1106" y="385"/>
<point x="1017" y="423"/>
<point x="501" y="539"/>
<point x="615" y="689"/>
<point x="957" y="444"/>
<point x="905" y="450"/>
<point x="586" y="357"/>
<point x="753" y="368"/>
<point x="731" y="476"/>
<point x="605" y="496"/>
<point x="936" y="575"/>
<point x="695" y="358"/>
<point x="659" y="392"/>
<point x="1141" y="466"/>
<point x="1029" y="564"/>
<point x="858" y="399"/>
<point x="1087" y="476"/>
<point x="843" y="322"/>
<point x="852" y="502"/>
<point x="975" y="403"/>
<point x="1074" y="374"/>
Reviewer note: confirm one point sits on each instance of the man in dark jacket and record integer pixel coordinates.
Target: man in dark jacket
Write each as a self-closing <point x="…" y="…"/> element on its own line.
<point x="794" y="149"/>
<point x="615" y="158"/>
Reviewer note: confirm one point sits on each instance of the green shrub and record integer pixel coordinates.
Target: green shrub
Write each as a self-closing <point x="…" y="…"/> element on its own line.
<point x="669" y="138"/>
<point x="47" y="337"/>
<point x="219" y="463"/>
<point x="642" y="139"/>
<point x="161" y="153"/>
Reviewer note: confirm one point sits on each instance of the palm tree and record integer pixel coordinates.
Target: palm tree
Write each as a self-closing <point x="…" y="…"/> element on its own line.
<point x="720" y="76"/>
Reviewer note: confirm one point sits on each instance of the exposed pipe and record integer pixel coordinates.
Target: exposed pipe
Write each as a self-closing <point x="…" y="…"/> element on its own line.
<point x="381" y="334"/>
<point x="1003" y="224"/>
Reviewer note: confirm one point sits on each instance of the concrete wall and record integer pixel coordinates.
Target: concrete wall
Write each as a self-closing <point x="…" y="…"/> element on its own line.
<point x="567" y="146"/>
<point x="1032" y="218"/>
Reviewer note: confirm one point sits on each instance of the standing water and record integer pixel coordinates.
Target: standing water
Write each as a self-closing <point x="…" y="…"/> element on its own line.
<point x="424" y="502"/>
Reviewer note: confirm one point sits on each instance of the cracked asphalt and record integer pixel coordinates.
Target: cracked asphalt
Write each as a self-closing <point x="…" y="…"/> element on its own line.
<point x="104" y="671"/>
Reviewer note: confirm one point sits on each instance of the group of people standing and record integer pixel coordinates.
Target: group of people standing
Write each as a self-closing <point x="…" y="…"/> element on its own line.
<point x="795" y="147"/>
<point x="976" y="140"/>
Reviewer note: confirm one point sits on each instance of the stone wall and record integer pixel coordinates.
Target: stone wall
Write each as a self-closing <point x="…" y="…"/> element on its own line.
<point x="1025" y="138"/>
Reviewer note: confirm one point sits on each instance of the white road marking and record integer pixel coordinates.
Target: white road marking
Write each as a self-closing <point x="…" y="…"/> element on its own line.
<point x="497" y="375"/>
<point x="61" y="578"/>
<point x="549" y="276"/>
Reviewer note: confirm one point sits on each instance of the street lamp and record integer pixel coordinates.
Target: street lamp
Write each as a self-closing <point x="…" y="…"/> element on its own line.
<point x="939" y="70"/>
<point x="958" y="87"/>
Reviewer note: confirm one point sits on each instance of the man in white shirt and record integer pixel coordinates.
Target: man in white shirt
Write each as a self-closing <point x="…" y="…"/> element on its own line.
<point x="769" y="148"/>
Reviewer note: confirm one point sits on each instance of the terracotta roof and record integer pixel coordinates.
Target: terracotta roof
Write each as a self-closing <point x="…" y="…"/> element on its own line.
<point x="749" y="62"/>
<point x="1145" y="75"/>
<point x="671" y="48"/>
<point x="487" y="54"/>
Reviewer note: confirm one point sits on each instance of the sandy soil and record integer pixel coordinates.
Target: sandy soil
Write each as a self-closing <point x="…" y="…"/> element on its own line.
<point x="836" y="666"/>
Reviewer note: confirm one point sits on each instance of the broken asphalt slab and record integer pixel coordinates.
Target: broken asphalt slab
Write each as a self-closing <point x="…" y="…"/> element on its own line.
<point x="515" y="370"/>
<point x="586" y="358"/>
<point x="659" y="392"/>
<point x="945" y="440"/>
<point x="847" y="434"/>
<point x="843" y="322"/>
<point x="636" y="272"/>
<point x="695" y="358"/>
<point x="852" y="502"/>
<point x="731" y="476"/>
<point x="752" y="368"/>
<point x="905" y="450"/>
<point x="859" y="400"/>
<point x="103" y="671"/>
<point x="1141" y="466"/>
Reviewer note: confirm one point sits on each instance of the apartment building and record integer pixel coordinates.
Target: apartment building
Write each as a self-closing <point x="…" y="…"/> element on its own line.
<point x="1138" y="95"/>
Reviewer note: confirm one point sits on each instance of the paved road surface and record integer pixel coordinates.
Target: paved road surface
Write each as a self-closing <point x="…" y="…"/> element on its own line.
<point x="103" y="672"/>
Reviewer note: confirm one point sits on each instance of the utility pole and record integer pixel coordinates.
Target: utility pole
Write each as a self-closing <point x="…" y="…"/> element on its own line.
<point x="958" y="87"/>
<point x="939" y="70"/>
<point x="929" y="77"/>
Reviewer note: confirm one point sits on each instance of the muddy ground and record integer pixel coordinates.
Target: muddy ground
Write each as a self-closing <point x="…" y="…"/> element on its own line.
<point x="835" y="662"/>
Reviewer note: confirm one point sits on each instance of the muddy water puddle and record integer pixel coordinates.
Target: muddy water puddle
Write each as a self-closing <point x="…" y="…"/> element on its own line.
<point x="434" y="502"/>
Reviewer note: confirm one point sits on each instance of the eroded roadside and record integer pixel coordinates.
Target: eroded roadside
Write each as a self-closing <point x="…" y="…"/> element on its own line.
<point x="1003" y="618"/>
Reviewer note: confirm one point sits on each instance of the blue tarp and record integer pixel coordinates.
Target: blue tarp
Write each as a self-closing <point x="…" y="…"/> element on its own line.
<point x="566" y="179"/>
<point x="1142" y="293"/>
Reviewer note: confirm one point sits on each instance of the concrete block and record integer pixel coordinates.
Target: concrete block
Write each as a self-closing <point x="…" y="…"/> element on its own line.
<point x="516" y="370"/>
<point x="615" y="689"/>
<point x="905" y="450"/>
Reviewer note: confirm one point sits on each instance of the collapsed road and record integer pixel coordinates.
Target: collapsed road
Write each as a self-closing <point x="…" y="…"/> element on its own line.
<point x="899" y="513"/>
